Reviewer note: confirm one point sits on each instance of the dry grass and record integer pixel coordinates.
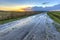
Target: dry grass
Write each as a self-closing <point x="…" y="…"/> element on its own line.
<point x="7" y="16"/>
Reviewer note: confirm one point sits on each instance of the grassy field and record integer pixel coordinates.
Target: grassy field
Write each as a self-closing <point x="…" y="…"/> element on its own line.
<point x="8" y="16"/>
<point x="10" y="20"/>
<point x="56" y="17"/>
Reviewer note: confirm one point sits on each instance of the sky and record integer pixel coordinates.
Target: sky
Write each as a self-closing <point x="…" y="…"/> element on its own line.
<point x="19" y="4"/>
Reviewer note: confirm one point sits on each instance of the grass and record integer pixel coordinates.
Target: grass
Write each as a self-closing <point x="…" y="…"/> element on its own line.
<point x="56" y="17"/>
<point x="8" y="16"/>
<point x="10" y="20"/>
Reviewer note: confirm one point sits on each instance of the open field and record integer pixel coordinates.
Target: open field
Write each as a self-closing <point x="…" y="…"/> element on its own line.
<point x="56" y="17"/>
<point x="8" y="16"/>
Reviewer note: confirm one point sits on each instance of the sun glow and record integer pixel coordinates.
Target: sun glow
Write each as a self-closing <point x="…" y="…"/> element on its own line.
<point x="14" y="8"/>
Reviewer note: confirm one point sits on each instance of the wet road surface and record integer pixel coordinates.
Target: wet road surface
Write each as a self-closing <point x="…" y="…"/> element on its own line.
<point x="37" y="27"/>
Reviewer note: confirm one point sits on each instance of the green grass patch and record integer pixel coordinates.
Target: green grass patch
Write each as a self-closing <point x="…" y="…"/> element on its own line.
<point x="55" y="16"/>
<point x="10" y="20"/>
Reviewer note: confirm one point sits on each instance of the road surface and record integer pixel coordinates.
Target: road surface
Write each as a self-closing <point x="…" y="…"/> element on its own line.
<point x="37" y="27"/>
